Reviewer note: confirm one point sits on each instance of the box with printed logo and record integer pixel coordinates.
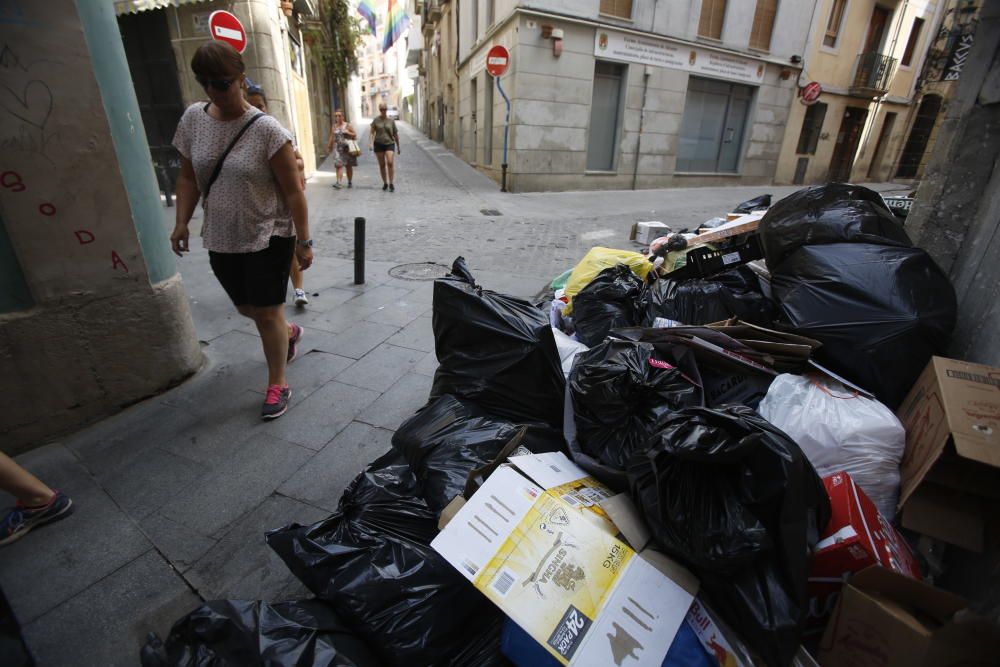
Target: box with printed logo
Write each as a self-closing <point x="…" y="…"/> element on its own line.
<point x="536" y="542"/>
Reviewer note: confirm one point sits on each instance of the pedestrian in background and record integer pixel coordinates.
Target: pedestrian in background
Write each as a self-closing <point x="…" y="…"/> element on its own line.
<point x="241" y="163"/>
<point x="384" y="140"/>
<point x="256" y="97"/>
<point x="37" y="504"/>
<point x="341" y="137"/>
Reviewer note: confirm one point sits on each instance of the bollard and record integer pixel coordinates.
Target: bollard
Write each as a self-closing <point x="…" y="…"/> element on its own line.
<point x="359" y="251"/>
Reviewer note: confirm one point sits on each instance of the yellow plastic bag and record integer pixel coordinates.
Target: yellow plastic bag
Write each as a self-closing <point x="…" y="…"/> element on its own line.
<point x="596" y="261"/>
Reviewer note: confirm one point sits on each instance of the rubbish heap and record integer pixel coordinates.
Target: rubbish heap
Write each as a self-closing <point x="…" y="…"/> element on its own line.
<point x="719" y="452"/>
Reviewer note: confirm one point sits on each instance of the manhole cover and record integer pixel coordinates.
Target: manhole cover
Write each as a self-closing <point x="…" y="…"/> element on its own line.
<point x="492" y="212"/>
<point x="419" y="271"/>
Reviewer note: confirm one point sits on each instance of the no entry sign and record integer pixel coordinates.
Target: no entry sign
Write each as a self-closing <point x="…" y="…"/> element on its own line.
<point x="497" y="60"/>
<point x="225" y="27"/>
<point x="811" y="92"/>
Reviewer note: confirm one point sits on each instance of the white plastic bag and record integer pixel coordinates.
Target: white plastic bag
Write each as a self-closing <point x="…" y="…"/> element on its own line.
<point x="568" y="349"/>
<point x="840" y="430"/>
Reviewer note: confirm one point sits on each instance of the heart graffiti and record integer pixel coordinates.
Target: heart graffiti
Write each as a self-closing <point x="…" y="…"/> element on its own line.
<point x="33" y="105"/>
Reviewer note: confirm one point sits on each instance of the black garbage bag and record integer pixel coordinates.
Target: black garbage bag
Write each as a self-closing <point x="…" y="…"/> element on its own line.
<point x="751" y="205"/>
<point x="880" y="311"/>
<point x="620" y="389"/>
<point x="831" y="213"/>
<point x="495" y="350"/>
<point x="612" y="299"/>
<point x="734" y="293"/>
<point x="449" y="438"/>
<point x="245" y="633"/>
<point x="735" y="499"/>
<point x="372" y="561"/>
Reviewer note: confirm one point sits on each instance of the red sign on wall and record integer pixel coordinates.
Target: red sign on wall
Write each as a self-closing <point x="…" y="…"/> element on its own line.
<point x="225" y="27"/>
<point x="497" y="60"/>
<point x="810" y="93"/>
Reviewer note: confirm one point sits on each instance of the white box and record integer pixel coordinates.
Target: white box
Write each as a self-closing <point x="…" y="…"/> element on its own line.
<point x="535" y="541"/>
<point x="646" y="232"/>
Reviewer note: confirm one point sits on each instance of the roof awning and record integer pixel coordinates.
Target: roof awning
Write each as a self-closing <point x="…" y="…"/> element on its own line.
<point x="136" y="6"/>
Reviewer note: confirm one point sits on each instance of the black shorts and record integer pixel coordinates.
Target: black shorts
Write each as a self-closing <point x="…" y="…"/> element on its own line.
<point x="256" y="278"/>
<point x="381" y="148"/>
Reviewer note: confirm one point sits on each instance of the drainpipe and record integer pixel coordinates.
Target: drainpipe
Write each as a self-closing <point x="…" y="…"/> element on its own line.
<point x="642" y="118"/>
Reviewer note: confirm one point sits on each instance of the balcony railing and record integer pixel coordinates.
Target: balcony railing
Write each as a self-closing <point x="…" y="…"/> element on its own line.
<point x="872" y="74"/>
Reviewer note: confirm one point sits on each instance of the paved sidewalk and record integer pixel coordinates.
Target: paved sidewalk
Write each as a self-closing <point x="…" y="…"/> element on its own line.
<point x="173" y="495"/>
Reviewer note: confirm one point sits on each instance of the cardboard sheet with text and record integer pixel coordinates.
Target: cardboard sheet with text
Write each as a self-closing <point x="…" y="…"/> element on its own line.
<point x="555" y="567"/>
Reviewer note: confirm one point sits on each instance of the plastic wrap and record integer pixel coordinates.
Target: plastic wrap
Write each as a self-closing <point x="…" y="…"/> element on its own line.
<point x="735" y="293"/>
<point x="372" y="561"/>
<point x="613" y="299"/>
<point x="832" y="213"/>
<point x="736" y="500"/>
<point x="598" y="260"/>
<point x="450" y="438"/>
<point x="879" y="311"/>
<point x="840" y="430"/>
<point x="620" y="389"/>
<point x="241" y="633"/>
<point x="495" y="350"/>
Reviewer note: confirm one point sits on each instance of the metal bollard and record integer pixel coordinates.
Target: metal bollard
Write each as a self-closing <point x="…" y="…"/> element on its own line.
<point x="359" y="251"/>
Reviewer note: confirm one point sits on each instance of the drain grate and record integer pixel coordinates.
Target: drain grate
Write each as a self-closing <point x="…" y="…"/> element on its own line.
<point x="492" y="212"/>
<point x="419" y="271"/>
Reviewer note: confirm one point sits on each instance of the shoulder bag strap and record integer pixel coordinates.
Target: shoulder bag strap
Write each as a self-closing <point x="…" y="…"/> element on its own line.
<point x="225" y="154"/>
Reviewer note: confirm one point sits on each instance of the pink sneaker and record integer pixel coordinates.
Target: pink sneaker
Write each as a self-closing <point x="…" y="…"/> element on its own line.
<point x="276" y="402"/>
<point x="293" y="343"/>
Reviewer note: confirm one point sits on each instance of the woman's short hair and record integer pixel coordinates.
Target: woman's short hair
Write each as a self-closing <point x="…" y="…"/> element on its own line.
<point x="216" y="59"/>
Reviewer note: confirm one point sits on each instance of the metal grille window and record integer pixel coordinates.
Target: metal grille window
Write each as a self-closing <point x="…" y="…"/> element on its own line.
<point x="812" y="127"/>
<point x="763" y="24"/>
<point x="713" y="13"/>
<point x="833" y="23"/>
<point x="619" y="8"/>
<point x="911" y="43"/>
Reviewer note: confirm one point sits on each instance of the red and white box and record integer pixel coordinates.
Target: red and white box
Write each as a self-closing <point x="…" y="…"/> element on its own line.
<point x="856" y="537"/>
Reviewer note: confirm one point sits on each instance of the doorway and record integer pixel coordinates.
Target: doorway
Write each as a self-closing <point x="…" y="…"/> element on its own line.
<point x="151" y="64"/>
<point x="605" y="116"/>
<point x="846" y="147"/>
<point x="876" y="30"/>
<point x="920" y="134"/>
<point x="880" y="147"/>
<point x="715" y="119"/>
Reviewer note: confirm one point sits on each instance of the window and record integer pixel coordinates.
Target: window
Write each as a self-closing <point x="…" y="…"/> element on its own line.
<point x="618" y="8"/>
<point x="475" y="21"/>
<point x="833" y="24"/>
<point x="911" y="43"/>
<point x="605" y="116"/>
<point x="715" y="119"/>
<point x="713" y="12"/>
<point x="812" y="127"/>
<point x="763" y="24"/>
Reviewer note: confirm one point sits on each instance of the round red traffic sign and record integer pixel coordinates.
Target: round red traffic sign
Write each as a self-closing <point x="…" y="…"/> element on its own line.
<point x="497" y="60"/>
<point x="225" y="27"/>
<point x="811" y="92"/>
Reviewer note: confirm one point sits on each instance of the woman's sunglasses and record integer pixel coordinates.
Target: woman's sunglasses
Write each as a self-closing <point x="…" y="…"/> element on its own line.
<point x="221" y="85"/>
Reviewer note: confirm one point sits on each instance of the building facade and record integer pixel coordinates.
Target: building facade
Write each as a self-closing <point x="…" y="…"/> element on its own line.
<point x="613" y="94"/>
<point x="886" y="71"/>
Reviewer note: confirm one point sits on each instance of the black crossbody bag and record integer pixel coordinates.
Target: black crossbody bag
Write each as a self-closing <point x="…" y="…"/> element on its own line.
<point x="225" y="153"/>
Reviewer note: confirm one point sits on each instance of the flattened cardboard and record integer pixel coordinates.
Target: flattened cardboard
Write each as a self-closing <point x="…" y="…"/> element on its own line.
<point x="952" y="456"/>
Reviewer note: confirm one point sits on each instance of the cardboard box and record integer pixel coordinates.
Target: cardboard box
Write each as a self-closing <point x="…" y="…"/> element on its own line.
<point x="885" y="619"/>
<point x="856" y="537"/>
<point x="647" y="232"/>
<point x="535" y="540"/>
<point x="951" y="466"/>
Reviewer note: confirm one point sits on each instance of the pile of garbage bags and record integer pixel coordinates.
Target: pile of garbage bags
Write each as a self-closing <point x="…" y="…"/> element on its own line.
<point x="716" y="402"/>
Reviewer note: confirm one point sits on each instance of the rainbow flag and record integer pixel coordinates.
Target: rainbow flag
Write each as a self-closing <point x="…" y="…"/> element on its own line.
<point x="396" y="23"/>
<point x="367" y="11"/>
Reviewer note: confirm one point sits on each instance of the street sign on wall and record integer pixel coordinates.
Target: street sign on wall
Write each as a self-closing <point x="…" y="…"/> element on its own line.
<point x="810" y="93"/>
<point x="224" y="27"/>
<point x="497" y="60"/>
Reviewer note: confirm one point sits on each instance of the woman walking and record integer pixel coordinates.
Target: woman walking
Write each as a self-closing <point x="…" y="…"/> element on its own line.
<point x="256" y="97"/>
<point x="385" y="138"/>
<point x="241" y="163"/>
<point x="340" y="132"/>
